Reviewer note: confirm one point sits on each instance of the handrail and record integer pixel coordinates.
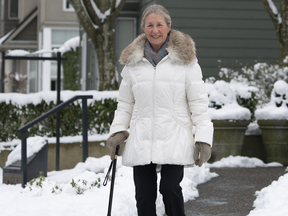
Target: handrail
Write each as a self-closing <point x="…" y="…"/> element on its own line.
<point x="52" y="111"/>
<point x="23" y="131"/>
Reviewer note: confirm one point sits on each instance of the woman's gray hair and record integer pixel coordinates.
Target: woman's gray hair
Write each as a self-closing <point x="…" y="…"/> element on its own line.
<point x="158" y="9"/>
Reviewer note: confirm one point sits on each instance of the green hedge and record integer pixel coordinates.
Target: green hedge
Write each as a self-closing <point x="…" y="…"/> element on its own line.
<point x="100" y="116"/>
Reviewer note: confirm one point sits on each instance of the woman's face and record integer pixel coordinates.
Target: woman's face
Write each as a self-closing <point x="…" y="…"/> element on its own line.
<point x="156" y="30"/>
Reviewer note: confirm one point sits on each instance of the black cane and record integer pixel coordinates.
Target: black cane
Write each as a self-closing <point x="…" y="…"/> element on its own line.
<point x="113" y="163"/>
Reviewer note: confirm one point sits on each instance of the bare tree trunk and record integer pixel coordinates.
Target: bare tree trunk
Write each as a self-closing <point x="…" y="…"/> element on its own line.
<point x="106" y="60"/>
<point x="280" y="21"/>
<point x="99" y="29"/>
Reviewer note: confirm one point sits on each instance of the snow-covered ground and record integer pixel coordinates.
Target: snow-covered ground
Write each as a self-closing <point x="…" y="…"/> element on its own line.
<point x="79" y="191"/>
<point x="57" y="196"/>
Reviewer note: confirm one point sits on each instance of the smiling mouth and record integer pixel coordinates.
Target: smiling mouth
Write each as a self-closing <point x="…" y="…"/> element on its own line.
<point x="155" y="37"/>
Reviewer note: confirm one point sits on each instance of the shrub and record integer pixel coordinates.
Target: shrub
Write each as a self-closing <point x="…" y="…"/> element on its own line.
<point x="12" y="116"/>
<point x="261" y="75"/>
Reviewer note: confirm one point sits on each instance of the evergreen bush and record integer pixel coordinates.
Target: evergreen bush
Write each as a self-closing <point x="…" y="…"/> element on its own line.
<point x="100" y="116"/>
<point x="71" y="70"/>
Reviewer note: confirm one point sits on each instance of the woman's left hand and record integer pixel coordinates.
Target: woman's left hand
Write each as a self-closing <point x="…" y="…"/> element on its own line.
<point x="205" y="153"/>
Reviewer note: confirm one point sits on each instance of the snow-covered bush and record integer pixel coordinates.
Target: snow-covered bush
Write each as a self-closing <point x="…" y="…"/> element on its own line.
<point x="261" y="75"/>
<point x="229" y="101"/>
<point x="277" y="108"/>
<point x="18" y="109"/>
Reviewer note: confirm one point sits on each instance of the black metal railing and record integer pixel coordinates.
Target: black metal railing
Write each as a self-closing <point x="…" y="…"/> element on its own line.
<point x="23" y="131"/>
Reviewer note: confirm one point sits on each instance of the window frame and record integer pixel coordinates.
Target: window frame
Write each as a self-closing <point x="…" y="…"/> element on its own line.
<point x="65" y="8"/>
<point x="9" y="11"/>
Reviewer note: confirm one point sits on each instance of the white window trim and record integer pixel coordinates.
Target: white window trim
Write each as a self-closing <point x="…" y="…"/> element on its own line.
<point x="67" y="9"/>
<point x="46" y="70"/>
<point x="12" y="18"/>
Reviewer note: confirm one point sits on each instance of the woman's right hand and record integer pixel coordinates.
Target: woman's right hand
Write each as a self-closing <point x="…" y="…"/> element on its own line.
<point x="117" y="139"/>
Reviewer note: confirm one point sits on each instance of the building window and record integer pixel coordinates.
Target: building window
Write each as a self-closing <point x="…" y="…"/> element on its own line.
<point x="67" y="6"/>
<point x="13" y="9"/>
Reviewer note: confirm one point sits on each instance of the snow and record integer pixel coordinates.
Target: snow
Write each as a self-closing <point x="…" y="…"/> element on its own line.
<point x="90" y="197"/>
<point x="253" y="129"/>
<point x="7" y="35"/>
<point x="101" y="16"/>
<point x="17" y="52"/>
<point x="11" y="145"/>
<point x="93" y="199"/>
<point x="223" y="94"/>
<point x="241" y="161"/>
<point x="278" y="106"/>
<point x="47" y="96"/>
<point x="229" y="112"/>
<point x="34" y="145"/>
<point x="274" y="10"/>
<point x="117" y="3"/>
<point x="272" y="200"/>
<point x="271" y="112"/>
<point x="72" y="43"/>
<point x="84" y="7"/>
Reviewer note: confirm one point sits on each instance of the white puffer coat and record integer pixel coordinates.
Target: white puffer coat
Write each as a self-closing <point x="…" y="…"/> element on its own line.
<point x="157" y="102"/>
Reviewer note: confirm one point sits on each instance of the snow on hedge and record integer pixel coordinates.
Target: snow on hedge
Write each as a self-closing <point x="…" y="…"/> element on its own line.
<point x="47" y="96"/>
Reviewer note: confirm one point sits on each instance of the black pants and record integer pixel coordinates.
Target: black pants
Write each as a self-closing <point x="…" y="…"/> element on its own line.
<point x="145" y="180"/>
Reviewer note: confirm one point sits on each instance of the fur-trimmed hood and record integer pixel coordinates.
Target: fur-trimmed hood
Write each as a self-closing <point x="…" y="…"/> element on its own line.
<point x="181" y="49"/>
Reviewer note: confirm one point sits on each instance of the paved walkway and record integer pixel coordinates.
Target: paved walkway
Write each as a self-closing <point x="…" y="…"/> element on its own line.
<point x="232" y="193"/>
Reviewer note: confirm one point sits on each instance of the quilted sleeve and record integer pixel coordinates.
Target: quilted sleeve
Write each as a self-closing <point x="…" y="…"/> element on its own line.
<point x="198" y="104"/>
<point x="125" y="104"/>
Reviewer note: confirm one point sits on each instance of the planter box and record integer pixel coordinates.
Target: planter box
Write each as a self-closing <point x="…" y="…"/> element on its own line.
<point x="275" y="139"/>
<point x="228" y="138"/>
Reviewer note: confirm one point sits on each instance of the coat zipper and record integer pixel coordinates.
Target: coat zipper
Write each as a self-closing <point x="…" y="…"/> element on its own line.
<point x="153" y="110"/>
<point x="153" y="102"/>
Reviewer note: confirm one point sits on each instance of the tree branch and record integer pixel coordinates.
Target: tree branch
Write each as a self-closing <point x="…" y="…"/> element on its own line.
<point x="113" y="6"/>
<point x="92" y="14"/>
<point x="274" y="16"/>
<point x="84" y="19"/>
<point x="117" y="9"/>
<point x="284" y="15"/>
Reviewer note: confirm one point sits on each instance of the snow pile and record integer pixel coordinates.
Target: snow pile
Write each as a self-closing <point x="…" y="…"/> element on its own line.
<point x="79" y="191"/>
<point x="17" y="52"/>
<point x="272" y="200"/>
<point x="34" y="145"/>
<point x="222" y="100"/>
<point x="253" y="129"/>
<point x="278" y="106"/>
<point x="69" y="45"/>
<point x="47" y="96"/>
<point x="241" y="161"/>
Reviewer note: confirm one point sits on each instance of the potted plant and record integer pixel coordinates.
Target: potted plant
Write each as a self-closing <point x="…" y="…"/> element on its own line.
<point x="273" y="121"/>
<point x="230" y="120"/>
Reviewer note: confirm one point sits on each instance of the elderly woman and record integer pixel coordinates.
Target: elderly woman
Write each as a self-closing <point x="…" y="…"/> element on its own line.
<point x="162" y="95"/>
